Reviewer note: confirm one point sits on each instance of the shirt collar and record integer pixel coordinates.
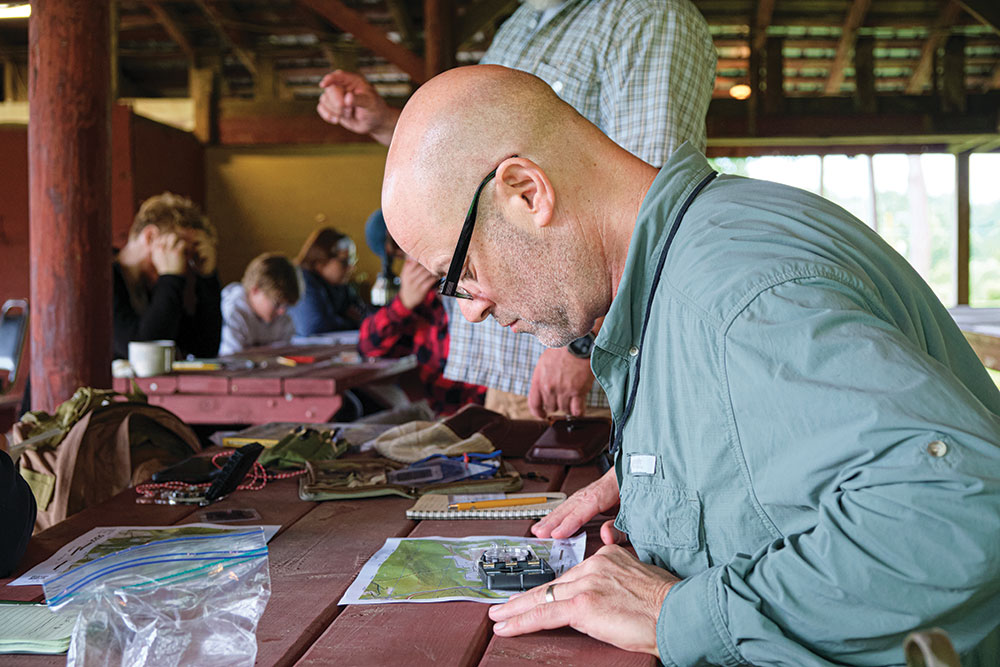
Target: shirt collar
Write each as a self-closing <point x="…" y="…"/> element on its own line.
<point x="683" y="171"/>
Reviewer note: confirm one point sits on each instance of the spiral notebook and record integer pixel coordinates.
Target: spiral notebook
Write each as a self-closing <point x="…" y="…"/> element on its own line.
<point x="435" y="506"/>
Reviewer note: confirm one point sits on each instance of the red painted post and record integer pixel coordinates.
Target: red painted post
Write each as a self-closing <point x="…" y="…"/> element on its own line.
<point x="69" y="162"/>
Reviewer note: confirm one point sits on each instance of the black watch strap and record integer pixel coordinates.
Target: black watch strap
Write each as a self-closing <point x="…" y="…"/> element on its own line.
<point x="581" y="347"/>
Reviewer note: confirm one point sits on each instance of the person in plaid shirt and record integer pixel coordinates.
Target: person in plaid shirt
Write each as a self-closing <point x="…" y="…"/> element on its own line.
<point x="414" y="322"/>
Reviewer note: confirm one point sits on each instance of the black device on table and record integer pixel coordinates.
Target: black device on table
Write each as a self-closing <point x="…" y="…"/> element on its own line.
<point x="513" y="569"/>
<point x="223" y="481"/>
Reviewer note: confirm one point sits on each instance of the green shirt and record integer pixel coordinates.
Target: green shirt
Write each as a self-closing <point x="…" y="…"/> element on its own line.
<point x="813" y="444"/>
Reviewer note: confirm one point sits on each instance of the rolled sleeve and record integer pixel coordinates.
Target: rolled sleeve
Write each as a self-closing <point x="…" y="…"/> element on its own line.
<point x="691" y="628"/>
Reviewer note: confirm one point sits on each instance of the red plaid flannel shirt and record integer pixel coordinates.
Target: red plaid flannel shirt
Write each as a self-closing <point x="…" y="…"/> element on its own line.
<point x="395" y="331"/>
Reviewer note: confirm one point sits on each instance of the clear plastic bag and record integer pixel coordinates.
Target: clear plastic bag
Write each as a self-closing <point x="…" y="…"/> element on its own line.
<point x="189" y="600"/>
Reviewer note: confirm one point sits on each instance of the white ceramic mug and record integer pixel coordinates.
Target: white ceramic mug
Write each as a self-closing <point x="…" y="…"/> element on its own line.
<point x="151" y="357"/>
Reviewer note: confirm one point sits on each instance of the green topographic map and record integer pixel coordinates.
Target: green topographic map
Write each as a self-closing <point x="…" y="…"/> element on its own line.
<point x="425" y="569"/>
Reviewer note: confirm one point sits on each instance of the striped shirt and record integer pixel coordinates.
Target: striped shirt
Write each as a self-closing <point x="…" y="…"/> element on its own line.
<point x="641" y="70"/>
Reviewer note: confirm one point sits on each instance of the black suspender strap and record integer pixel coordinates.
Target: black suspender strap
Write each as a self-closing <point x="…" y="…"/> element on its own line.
<point x="620" y="426"/>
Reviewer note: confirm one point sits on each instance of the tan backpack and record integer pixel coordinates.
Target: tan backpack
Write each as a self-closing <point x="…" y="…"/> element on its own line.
<point x="97" y="444"/>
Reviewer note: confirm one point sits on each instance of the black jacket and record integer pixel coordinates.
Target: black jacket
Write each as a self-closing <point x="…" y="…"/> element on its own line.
<point x="165" y="317"/>
<point x="17" y="515"/>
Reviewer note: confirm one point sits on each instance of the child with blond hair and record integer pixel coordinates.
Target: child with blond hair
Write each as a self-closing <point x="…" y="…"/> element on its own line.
<point x="254" y="309"/>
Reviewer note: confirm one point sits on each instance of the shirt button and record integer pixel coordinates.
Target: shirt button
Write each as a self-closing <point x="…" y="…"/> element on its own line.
<point x="557" y="87"/>
<point x="632" y="351"/>
<point x="937" y="449"/>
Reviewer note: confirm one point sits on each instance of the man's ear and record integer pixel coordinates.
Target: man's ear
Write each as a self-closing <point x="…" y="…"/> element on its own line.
<point x="526" y="190"/>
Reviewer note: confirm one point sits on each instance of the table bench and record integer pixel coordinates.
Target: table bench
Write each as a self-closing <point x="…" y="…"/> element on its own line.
<point x="269" y="392"/>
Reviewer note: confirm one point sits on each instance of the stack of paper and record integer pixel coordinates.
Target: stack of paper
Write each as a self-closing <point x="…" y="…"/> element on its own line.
<point x="26" y="627"/>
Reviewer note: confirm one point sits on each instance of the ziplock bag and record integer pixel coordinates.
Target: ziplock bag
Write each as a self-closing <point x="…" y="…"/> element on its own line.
<point x="189" y="600"/>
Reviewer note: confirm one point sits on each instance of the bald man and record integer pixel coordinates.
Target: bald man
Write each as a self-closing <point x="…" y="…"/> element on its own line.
<point x="641" y="70"/>
<point x="806" y="447"/>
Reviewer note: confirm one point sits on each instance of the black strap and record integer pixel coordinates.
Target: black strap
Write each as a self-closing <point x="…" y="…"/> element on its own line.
<point x="620" y="425"/>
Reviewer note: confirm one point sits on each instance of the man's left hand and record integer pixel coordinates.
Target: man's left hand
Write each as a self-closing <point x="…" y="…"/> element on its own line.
<point x="560" y="382"/>
<point x="611" y="596"/>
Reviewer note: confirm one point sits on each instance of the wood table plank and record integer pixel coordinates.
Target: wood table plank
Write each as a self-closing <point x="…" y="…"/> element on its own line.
<point x="312" y="566"/>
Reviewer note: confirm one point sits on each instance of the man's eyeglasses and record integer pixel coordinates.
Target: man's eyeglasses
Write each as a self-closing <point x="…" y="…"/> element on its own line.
<point x="449" y="284"/>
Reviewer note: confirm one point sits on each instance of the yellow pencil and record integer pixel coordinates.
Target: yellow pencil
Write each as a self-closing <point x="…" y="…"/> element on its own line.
<point x="503" y="502"/>
<point x="285" y="361"/>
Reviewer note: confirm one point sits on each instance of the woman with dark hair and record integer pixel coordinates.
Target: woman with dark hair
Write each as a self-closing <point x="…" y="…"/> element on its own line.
<point x="328" y="302"/>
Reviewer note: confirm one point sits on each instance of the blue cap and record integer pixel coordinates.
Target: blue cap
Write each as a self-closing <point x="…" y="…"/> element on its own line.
<point x="376" y="233"/>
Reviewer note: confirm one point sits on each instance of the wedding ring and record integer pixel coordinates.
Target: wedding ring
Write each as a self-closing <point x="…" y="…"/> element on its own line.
<point x="550" y="595"/>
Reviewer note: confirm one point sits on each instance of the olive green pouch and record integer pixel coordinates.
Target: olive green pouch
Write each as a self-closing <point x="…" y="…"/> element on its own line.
<point x="343" y="479"/>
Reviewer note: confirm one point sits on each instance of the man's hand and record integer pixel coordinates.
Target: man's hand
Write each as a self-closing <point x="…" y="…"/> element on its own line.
<point x="169" y="254"/>
<point x="350" y="101"/>
<point x="560" y="382"/>
<point x="612" y="596"/>
<point x="567" y="519"/>
<point x="204" y="259"/>
<point x="414" y="283"/>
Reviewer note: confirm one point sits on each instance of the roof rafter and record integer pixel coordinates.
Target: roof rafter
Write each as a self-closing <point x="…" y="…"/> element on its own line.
<point x="848" y="36"/>
<point x="218" y="21"/>
<point x="349" y="20"/>
<point x="938" y="34"/>
<point x="986" y="12"/>
<point x="762" y="19"/>
<point x="171" y="27"/>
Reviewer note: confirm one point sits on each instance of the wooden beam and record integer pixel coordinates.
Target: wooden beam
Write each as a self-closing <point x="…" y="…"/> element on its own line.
<point x="401" y="15"/>
<point x="481" y="16"/>
<point x="865" y="99"/>
<point x="69" y="202"/>
<point x="939" y="33"/>
<point x="204" y="90"/>
<point x="953" y="95"/>
<point x="762" y="20"/>
<point x="848" y="35"/>
<point x="218" y="21"/>
<point x="171" y="27"/>
<point x="962" y="247"/>
<point x="439" y="36"/>
<point x="264" y="83"/>
<point x="247" y="123"/>
<point x="774" y="93"/>
<point x="349" y="20"/>
<point x="986" y="12"/>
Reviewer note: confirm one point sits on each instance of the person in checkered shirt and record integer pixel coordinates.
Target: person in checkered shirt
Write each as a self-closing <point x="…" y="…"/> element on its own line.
<point x="414" y="322"/>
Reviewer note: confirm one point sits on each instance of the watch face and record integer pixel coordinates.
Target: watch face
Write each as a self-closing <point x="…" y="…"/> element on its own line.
<point x="581" y="347"/>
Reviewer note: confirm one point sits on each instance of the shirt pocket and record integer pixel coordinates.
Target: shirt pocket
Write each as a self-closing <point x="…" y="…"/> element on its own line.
<point x="664" y="524"/>
<point x="575" y="84"/>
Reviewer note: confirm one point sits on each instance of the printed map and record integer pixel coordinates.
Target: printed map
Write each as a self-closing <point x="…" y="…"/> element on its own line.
<point x="435" y="569"/>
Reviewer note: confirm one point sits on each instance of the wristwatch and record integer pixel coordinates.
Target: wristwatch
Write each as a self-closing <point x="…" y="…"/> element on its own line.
<point x="581" y="347"/>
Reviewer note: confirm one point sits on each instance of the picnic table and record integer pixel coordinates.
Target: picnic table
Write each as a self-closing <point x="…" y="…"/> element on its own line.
<point x="315" y="556"/>
<point x="255" y="388"/>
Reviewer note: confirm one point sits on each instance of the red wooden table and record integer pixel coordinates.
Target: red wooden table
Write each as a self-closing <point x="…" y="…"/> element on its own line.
<point x="270" y="391"/>
<point x="315" y="556"/>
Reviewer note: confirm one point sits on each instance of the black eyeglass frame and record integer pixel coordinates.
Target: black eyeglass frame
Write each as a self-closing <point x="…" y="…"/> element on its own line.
<point x="449" y="284"/>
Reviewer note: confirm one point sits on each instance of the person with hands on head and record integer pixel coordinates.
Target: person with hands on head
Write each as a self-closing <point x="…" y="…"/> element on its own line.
<point x="807" y="450"/>
<point x="641" y="70"/>
<point x="414" y="322"/>
<point x="165" y="281"/>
